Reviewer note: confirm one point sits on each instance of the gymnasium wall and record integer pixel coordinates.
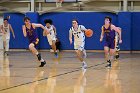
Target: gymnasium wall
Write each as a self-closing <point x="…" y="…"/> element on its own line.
<point x="63" y="22"/>
<point x="124" y="21"/>
<point x="129" y="22"/>
<point x="135" y="33"/>
<point x="16" y="21"/>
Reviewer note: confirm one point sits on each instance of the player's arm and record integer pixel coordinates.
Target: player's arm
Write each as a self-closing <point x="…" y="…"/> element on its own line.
<point x="45" y="31"/>
<point x="83" y="28"/>
<point x="117" y="36"/>
<point x="117" y="30"/>
<point x="11" y="29"/>
<point x="38" y="25"/>
<point x="24" y="30"/>
<point x="70" y="36"/>
<point x="102" y="34"/>
<point x="2" y="29"/>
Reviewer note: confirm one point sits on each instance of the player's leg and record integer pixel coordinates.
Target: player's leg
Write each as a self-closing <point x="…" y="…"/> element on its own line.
<point x="84" y="53"/>
<point x="33" y="49"/>
<point x="117" y="49"/>
<point x="4" y="42"/>
<point x="54" y="48"/>
<point x="4" y="45"/>
<point x="53" y="45"/>
<point x="107" y="56"/>
<point x="7" y="46"/>
<point x="112" y="51"/>
<point x="57" y="3"/>
<point x="35" y="52"/>
<point x="79" y="53"/>
<point x="116" y="55"/>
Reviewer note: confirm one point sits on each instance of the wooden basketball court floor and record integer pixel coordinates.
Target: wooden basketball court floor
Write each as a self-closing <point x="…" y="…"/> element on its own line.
<point x="19" y="73"/>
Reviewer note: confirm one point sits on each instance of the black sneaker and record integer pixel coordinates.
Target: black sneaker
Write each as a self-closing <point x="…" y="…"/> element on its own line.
<point x="117" y="56"/>
<point x="42" y="64"/>
<point x="6" y="53"/>
<point x="108" y="64"/>
<point x="39" y="56"/>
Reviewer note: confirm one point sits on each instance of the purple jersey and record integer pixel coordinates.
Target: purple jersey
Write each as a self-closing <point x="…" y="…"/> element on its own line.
<point x="31" y="34"/>
<point x="109" y="34"/>
<point x="109" y="37"/>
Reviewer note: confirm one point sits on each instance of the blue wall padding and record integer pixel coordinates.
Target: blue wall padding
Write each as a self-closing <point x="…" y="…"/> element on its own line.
<point x="63" y="22"/>
<point x="16" y="21"/>
<point x="135" y="31"/>
<point x="128" y="21"/>
<point x="124" y="21"/>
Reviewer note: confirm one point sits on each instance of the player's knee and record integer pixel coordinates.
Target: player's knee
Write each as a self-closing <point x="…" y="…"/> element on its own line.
<point x="31" y="46"/>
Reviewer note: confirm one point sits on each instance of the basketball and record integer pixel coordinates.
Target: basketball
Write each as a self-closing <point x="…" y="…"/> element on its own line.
<point x="89" y="33"/>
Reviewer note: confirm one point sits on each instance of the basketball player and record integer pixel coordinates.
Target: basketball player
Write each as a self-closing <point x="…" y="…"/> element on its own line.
<point x="52" y="35"/>
<point x="29" y="31"/>
<point x="6" y="28"/>
<point x="108" y="29"/>
<point x="79" y="40"/>
<point x="117" y="48"/>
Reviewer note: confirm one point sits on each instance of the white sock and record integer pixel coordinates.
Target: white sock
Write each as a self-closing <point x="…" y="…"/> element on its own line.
<point x="42" y="60"/>
<point x="36" y="53"/>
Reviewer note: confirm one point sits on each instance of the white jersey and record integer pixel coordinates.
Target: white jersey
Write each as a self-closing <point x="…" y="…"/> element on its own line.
<point x="7" y="31"/>
<point x="51" y="34"/>
<point x="78" y="34"/>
